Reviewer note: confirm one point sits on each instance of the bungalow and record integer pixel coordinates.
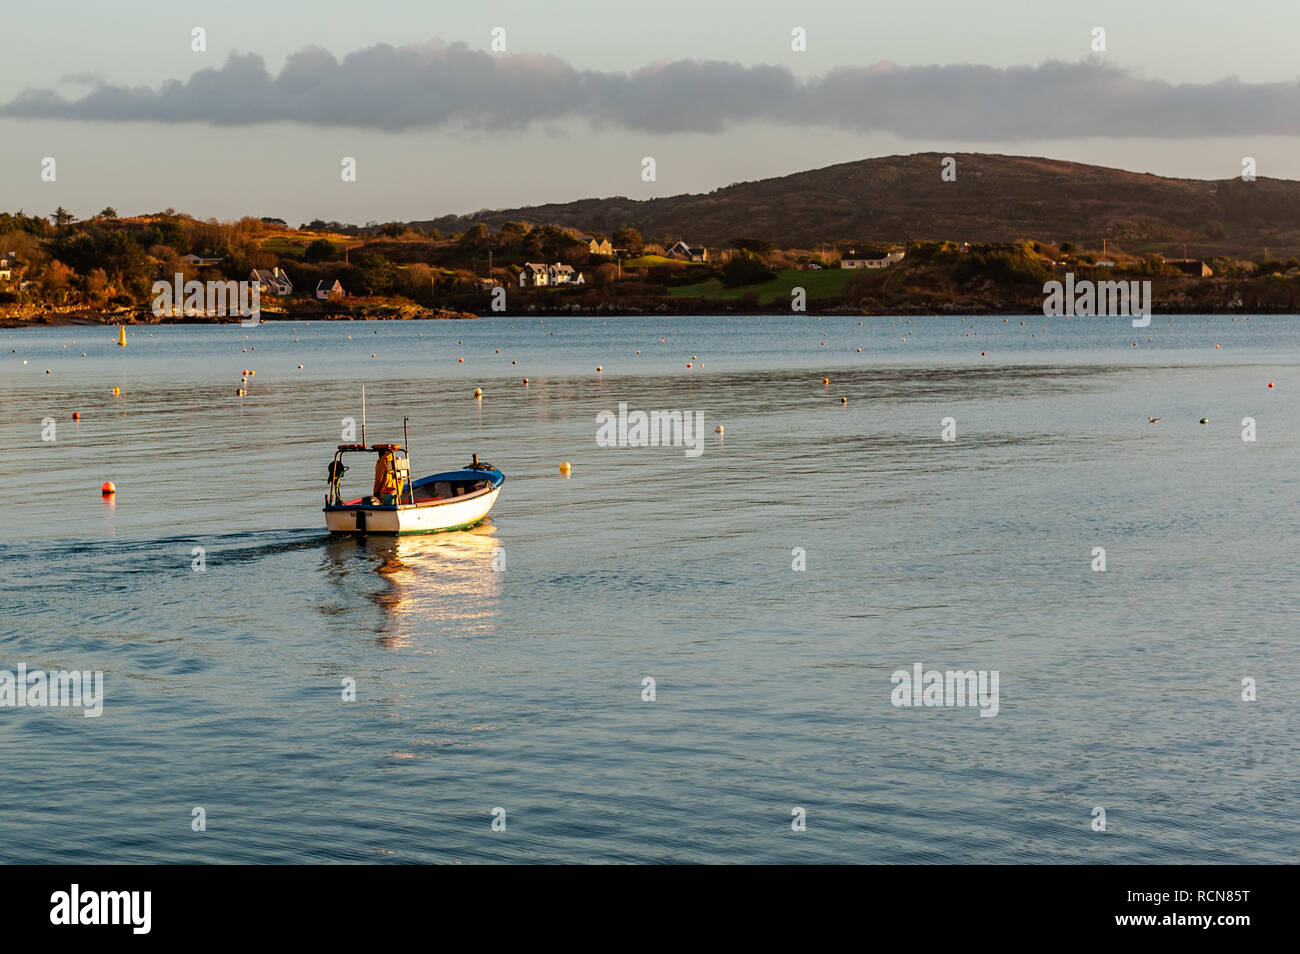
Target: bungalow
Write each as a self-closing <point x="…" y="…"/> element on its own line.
<point x="326" y="290"/>
<point x="533" y="275"/>
<point x="199" y="260"/>
<point x="275" y="280"/>
<point x="855" y="259"/>
<point x="680" y="249"/>
<point x="597" y="246"/>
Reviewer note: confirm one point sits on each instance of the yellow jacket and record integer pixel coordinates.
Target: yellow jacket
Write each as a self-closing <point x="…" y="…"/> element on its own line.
<point x="385" y="481"/>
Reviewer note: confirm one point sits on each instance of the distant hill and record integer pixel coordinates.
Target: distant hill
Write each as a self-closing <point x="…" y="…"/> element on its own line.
<point x="993" y="199"/>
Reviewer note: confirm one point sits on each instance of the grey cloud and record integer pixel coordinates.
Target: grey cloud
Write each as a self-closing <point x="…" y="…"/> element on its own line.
<point x="434" y="84"/>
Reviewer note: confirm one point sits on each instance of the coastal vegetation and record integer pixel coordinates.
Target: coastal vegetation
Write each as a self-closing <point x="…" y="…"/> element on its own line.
<point x="58" y="266"/>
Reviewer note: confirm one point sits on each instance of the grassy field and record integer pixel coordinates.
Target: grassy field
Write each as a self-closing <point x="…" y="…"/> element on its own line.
<point x="824" y="283"/>
<point x="647" y="261"/>
<point x="293" y="246"/>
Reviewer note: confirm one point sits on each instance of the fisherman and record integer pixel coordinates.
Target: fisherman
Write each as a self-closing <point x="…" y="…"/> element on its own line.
<point x="387" y="487"/>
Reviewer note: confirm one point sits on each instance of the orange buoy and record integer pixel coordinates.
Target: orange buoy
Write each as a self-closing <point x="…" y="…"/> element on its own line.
<point x="565" y="467"/>
<point x="76" y="415"/>
<point x="844" y="400"/>
<point x="826" y="380"/>
<point x="599" y="369"/>
<point x="458" y="360"/>
<point x="525" y="380"/>
<point x="107" y="488"/>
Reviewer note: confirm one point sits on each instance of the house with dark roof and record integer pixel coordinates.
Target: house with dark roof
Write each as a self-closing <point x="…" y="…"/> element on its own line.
<point x="326" y="289"/>
<point x="564" y="275"/>
<point x="870" y="258"/>
<point x="534" y="275"/>
<point x="275" y="281"/>
<point x="1191" y="266"/>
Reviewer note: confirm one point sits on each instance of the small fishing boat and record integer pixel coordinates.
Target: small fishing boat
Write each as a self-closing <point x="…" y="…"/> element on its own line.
<point x="452" y="500"/>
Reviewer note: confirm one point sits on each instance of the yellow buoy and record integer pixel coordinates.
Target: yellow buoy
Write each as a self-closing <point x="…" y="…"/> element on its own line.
<point x="121" y="336"/>
<point x="478" y="392"/>
<point x="565" y="467"/>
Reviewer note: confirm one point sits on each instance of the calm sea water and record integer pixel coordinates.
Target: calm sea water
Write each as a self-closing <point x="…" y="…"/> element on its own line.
<point x="479" y="688"/>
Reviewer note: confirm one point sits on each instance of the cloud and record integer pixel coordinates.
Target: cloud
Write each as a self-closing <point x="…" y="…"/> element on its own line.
<point x="434" y="84"/>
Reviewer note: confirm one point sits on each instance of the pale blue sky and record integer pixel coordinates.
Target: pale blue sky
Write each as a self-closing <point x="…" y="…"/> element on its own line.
<point x="290" y="169"/>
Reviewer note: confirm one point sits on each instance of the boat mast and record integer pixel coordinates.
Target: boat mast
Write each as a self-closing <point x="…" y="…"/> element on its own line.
<point x="406" y="442"/>
<point x="363" y="415"/>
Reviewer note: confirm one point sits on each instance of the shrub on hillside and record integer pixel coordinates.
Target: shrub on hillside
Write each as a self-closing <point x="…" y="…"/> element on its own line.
<point x="743" y="270"/>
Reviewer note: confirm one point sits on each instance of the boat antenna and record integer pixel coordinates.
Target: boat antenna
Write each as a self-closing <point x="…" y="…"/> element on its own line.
<point x="363" y="415"/>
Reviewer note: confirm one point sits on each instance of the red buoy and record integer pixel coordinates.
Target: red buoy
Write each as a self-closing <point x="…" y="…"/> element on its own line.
<point x="107" y="488"/>
<point x="76" y="415"/>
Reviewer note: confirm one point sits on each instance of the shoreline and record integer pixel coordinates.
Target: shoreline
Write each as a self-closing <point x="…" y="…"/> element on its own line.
<point x="57" y="319"/>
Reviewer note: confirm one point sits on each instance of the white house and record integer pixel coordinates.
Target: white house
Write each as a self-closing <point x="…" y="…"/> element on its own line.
<point x="199" y="260"/>
<point x="680" y="249"/>
<point x="565" y="275"/>
<point x="327" y="290"/>
<point x="855" y="260"/>
<point x="533" y="275"/>
<point x="275" y="280"/>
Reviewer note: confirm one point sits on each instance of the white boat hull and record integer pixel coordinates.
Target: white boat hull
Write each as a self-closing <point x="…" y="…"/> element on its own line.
<point x="421" y="518"/>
